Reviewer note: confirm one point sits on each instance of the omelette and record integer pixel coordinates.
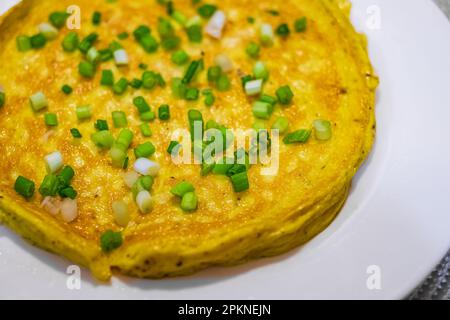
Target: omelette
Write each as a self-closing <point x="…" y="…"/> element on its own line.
<point x="92" y="91"/>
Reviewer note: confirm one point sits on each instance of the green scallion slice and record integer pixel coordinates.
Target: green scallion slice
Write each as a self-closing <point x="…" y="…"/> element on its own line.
<point x="96" y="18"/>
<point x="103" y="139"/>
<point x="180" y="57"/>
<point x="101" y="125"/>
<point x="51" y="119"/>
<point x="24" y="187"/>
<point x="192" y="94"/>
<point x="38" y="41"/>
<point x="260" y="71"/>
<point x="172" y="146"/>
<point x="107" y="78"/>
<point x="49" y="186"/>
<point x="58" y="19"/>
<point x="87" y="42"/>
<point x="182" y="188"/>
<point x="23" y="43"/>
<point x="192" y="71"/>
<point x="252" y="50"/>
<point x="223" y="83"/>
<point x="283" y="30"/>
<point x="300" y="24"/>
<point x="75" y="133"/>
<point x="262" y="110"/>
<point x="145" y="130"/>
<point x="281" y="124"/>
<point x="86" y="69"/>
<point x="110" y="240"/>
<point x="240" y="181"/>
<point x="299" y="136"/>
<point x="145" y="150"/>
<point x="195" y="33"/>
<point x="322" y="130"/>
<point x="189" y="202"/>
<point x="119" y="119"/>
<point x="141" y="104"/>
<point x="38" y="101"/>
<point x="70" y="42"/>
<point x="164" y="112"/>
<point x="120" y="86"/>
<point x="66" y="89"/>
<point x="148" y="116"/>
<point x="207" y="10"/>
<point x="84" y="112"/>
<point x="285" y="95"/>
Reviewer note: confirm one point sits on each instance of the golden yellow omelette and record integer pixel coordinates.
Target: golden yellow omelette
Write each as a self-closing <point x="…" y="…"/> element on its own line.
<point x="91" y="92"/>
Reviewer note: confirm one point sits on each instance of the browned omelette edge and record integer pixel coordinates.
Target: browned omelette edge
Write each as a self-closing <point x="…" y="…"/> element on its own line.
<point x="231" y="250"/>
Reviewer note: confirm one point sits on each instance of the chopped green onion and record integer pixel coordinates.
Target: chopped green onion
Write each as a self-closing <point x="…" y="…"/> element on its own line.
<point x="2" y="99"/>
<point x="49" y="186"/>
<point x="75" y="133"/>
<point x="207" y="10"/>
<point x="38" y="101"/>
<point x="214" y="73"/>
<point x="266" y="34"/>
<point x="222" y="167"/>
<point x="299" y="136"/>
<point x="206" y="168"/>
<point x="107" y="78"/>
<point x="106" y="54"/>
<point x="87" y="42"/>
<point x="145" y="130"/>
<point x="284" y="95"/>
<point x="260" y="71"/>
<point x="266" y="98"/>
<point x="300" y="24"/>
<point x="144" y="150"/>
<point x="194" y="116"/>
<point x="191" y="71"/>
<point x="282" y="30"/>
<point x="136" y="83"/>
<point x="178" y="88"/>
<point x="273" y="12"/>
<point x="165" y="28"/>
<point x="118" y="156"/>
<point x="189" y="201"/>
<point x="93" y="55"/>
<point x="101" y="125"/>
<point x="281" y="124"/>
<point x="192" y="94"/>
<point x="68" y="192"/>
<point x="143" y="66"/>
<point x="123" y="35"/>
<point x="182" y="188"/>
<point x="141" y="31"/>
<point x="179" y="17"/>
<point x="84" y="112"/>
<point x="223" y="83"/>
<point x="148" y="116"/>
<point x="144" y="183"/>
<point x="120" y="86"/>
<point x="240" y="181"/>
<point x="164" y="112"/>
<point x="172" y="146"/>
<point x="141" y="104"/>
<point x="38" y="41"/>
<point x="322" y="130"/>
<point x="171" y="43"/>
<point x="180" y="57"/>
<point x="259" y="125"/>
<point x="70" y="42"/>
<point x="262" y="110"/>
<point x="86" y="69"/>
<point x="66" y="89"/>
<point x="149" y="79"/>
<point x="115" y="46"/>
<point x="253" y="87"/>
<point x="253" y="50"/>
<point x="149" y="43"/>
<point x="195" y="33"/>
<point x="125" y="138"/>
<point x="49" y="31"/>
<point x="96" y="18"/>
<point x="110" y="240"/>
<point x="23" y="43"/>
<point x="236" y="168"/>
<point x="24" y="187"/>
<point x="51" y="119"/>
<point x="209" y="97"/>
<point x="250" y="20"/>
<point x="58" y="19"/>
<point x="119" y="119"/>
<point x="66" y="175"/>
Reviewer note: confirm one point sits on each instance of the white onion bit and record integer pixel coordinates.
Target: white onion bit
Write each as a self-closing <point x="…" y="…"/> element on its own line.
<point x="49" y="31"/>
<point x="253" y="87"/>
<point x="144" y="201"/>
<point x="120" y="211"/>
<point x="145" y="167"/>
<point x="216" y="24"/>
<point x="51" y="205"/>
<point x="130" y="178"/>
<point x="121" y="57"/>
<point x="54" y="161"/>
<point x="69" y="210"/>
<point x="224" y="62"/>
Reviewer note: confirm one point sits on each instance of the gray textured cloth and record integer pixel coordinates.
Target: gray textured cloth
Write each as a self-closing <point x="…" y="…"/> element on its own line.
<point x="437" y="285"/>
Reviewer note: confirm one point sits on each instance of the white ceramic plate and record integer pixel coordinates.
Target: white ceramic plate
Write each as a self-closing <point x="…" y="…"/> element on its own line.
<point x="396" y="223"/>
